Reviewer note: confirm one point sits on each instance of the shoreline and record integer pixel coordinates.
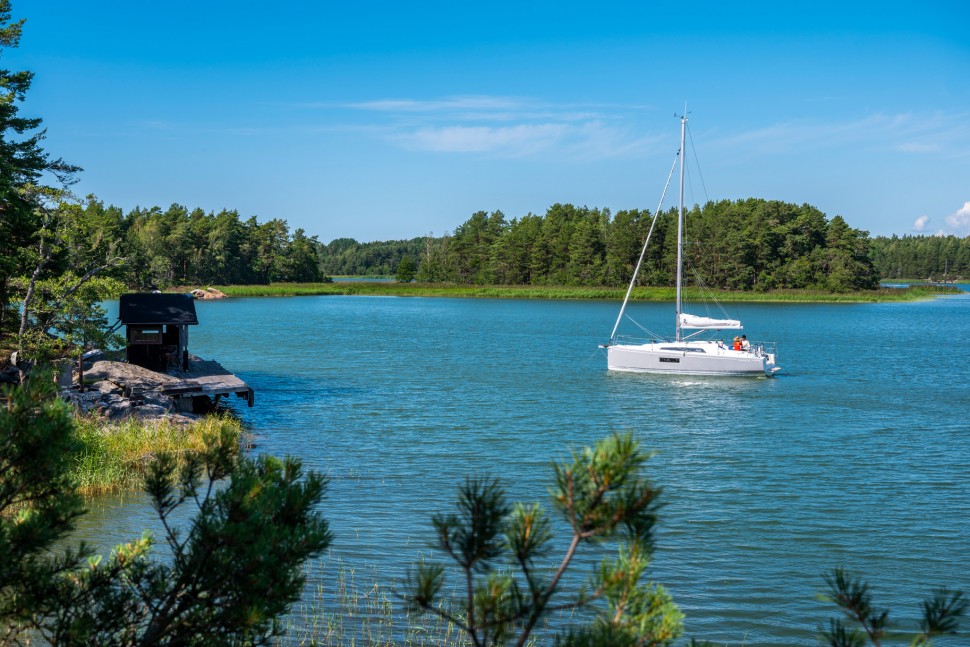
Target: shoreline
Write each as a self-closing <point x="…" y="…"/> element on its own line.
<point x="125" y="417"/>
<point x="114" y="454"/>
<point x="887" y="295"/>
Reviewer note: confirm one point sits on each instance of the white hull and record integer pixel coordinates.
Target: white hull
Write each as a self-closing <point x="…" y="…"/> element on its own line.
<point x="689" y="358"/>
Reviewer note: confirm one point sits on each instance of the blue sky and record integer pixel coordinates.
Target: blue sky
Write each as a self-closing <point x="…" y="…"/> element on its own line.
<point x="389" y="120"/>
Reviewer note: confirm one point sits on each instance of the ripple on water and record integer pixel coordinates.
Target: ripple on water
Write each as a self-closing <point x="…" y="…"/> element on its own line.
<point x="856" y="455"/>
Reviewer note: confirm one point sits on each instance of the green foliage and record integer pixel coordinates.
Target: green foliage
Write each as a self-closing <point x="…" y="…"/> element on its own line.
<point x="502" y="552"/>
<point x="230" y="574"/>
<point x="347" y="257"/>
<point x="23" y="164"/>
<point x="181" y="247"/>
<point x="37" y="504"/>
<point x="941" y="613"/>
<point x="743" y="245"/>
<point x="65" y="318"/>
<point x="936" y="258"/>
<point x="114" y="456"/>
<point x="60" y="309"/>
<point x="406" y="270"/>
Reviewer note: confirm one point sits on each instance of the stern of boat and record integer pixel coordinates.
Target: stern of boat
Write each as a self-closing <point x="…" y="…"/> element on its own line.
<point x="768" y="351"/>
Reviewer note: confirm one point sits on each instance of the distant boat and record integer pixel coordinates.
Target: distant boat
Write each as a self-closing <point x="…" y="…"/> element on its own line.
<point x="684" y="355"/>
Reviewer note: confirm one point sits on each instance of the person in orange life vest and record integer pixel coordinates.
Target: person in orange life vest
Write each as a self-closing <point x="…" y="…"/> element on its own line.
<point x="737" y="343"/>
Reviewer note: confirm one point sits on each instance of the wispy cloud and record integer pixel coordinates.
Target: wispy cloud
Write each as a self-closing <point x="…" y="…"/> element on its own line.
<point x="448" y="104"/>
<point x="510" y="140"/>
<point x="903" y="133"/>
<point x="920" y="224"/>
<point x="588" y="139"/>
<point x="919" y="147"/>
<point x="515" y="127"/>
<point x="505" y="127"/>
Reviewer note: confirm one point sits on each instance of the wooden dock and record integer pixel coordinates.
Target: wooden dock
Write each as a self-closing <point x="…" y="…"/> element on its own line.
<point x="208" y="378"/>
<point x="203" y="378"/>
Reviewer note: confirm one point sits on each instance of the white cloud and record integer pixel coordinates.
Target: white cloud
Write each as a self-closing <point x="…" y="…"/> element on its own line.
<point x="918" y="147"/>
<point x="959" y="222"/>
<point x="512" y="140"/>
<point x="921" y="223"/>
<point x="581" y="140"/>
<point x="448" y="104"/>
<point x="521" y="126"/>
<point x="505" y="127"/>
<point x="903" y="133"/>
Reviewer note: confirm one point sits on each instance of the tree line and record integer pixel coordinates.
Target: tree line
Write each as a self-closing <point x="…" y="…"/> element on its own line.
<point x="178" y="246"/>
<point x="347" y="257"/>
<point x="750" y="244"/>
<point x="922" y="257"/>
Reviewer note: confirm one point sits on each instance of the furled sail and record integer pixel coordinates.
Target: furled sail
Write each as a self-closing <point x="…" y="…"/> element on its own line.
<point x="706" y="323"/>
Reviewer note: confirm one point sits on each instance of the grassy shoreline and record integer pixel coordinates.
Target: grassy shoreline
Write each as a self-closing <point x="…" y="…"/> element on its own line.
<point x="914" y="293"/>
<point x="114" y="455"/>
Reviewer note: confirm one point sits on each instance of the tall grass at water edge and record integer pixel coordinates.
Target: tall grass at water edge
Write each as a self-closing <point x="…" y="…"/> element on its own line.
<point x="343" y="605"/>
<point x="114" y="455"/>
<point x="913" y="293"/>
<point x="356" y="607"/>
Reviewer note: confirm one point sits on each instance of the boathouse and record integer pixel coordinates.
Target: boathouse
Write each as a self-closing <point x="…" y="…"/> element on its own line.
<point x="157" y="329"/>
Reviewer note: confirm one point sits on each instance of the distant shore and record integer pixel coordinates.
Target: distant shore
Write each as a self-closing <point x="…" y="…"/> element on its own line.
<point x="391" y="288"/>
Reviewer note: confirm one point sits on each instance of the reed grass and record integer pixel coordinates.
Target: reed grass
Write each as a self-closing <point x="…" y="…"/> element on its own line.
<point x="347" y="605"/>
<point x="344" y="605"/>
<point x="353" y="605"/>
<point x="114" y="455"/>
<point x="914" y="293"/>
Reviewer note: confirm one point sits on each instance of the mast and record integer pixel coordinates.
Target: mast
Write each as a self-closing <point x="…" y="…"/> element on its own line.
<point x="680" y="223"/>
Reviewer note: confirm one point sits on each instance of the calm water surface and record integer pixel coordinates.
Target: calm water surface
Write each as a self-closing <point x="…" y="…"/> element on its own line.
<point x="856" y="455"/>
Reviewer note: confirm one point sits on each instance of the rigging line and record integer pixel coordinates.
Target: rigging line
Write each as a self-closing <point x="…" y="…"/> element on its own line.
<point x="697" y="162"/>
<point x="643" y="252"/>
<point x="643" y="328"/>
<point x="706" y="293"/>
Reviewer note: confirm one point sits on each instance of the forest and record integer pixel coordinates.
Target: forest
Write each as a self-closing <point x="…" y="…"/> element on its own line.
<point x="748" y="244"/>
<point x="934" y="258"/>
<point x="179" y="247"/>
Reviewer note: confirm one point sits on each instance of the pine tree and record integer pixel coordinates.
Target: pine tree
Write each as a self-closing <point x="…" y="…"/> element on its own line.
<point x="232" y="571"/>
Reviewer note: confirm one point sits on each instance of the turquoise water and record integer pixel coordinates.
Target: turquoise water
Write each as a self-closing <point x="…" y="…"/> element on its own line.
<point x="856" y="455"/>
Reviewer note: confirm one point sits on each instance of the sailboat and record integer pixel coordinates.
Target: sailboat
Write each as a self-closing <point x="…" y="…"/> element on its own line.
<point x="685" y="354"/>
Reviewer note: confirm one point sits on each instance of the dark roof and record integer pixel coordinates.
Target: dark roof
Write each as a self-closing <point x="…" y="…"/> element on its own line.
<point x="145" y="308"/>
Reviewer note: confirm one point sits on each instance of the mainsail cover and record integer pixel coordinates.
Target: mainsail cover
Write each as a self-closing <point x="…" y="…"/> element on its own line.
<point x="706" y="323"/>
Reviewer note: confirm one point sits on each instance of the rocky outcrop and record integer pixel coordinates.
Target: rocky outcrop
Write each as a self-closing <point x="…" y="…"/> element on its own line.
<point x="117" y="390"/>
<point x="208" y="293"/>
